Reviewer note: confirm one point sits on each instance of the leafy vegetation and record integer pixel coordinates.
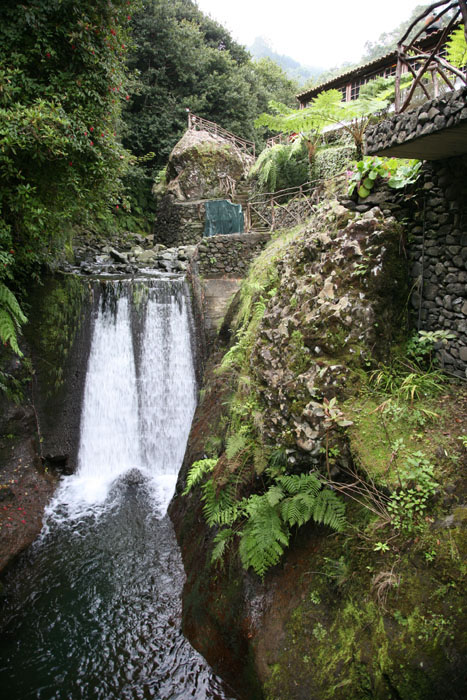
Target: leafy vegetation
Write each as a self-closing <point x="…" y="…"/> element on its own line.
<point x="397" y="172"/>
<point x="456" y="48"/>
<point x="281" y="166"/>
<point x="62" y="83"/>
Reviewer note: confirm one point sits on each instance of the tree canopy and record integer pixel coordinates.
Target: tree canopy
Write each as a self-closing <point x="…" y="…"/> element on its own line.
<point x="62" y="82"/>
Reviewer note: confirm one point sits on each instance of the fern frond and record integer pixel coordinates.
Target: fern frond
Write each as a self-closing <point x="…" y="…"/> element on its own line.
<point x="329" y="510"/>
<point x="8" y="331"/>
<point x="10" y="302"/>
<point x="264" y="536"/>
<point x="235" y="443"/>
<point x="220" y="508"/>
<point x="300" y="483"/>
<point x="298" y="509"/>
<point x="11" y="318"/>
<point x="221" y="540"/>
<point x="274" y="495"/>
<point x="197" y="471"/>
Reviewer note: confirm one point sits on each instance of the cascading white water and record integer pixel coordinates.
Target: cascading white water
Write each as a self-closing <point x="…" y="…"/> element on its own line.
<point x="139" y="397"/>
<point x="95" y="611"/>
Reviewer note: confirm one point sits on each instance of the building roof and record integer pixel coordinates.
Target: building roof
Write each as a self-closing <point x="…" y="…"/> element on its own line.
<point x="356" y="72"/>
<point x="374" y="66"/>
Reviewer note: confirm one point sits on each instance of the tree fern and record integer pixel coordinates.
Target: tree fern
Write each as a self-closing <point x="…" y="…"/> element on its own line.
<point x="11" y="318"/>
<point x="197" y="471"/>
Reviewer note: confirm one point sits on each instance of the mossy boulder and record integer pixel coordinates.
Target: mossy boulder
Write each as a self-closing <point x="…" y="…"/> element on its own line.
<point x="203" y="166"/>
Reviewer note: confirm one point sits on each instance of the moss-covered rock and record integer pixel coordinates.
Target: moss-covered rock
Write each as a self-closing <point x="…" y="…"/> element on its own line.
<point x="376" y="611"/>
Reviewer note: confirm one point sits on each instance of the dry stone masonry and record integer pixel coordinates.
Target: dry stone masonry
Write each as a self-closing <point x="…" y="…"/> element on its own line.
<point x="433" y="215"/>
<point x="430" y="119"/>
<point x="230" y="255"/>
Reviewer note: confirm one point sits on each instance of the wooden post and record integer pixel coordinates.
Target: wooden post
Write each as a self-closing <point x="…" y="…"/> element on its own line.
<point x="273" y="216"/>
<point x="397" y="101"/>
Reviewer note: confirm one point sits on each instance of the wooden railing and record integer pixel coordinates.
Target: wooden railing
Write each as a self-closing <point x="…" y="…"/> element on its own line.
<point x="280" y="138"/>
<point x="418" y="62"/>
<point x="195" y="122"/>
<point x="283" y="209"/>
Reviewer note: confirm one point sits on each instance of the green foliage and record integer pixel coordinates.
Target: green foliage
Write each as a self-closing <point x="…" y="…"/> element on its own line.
<point x="62" y="82"/>
<point x="264" y="536"/>
<point x="291" y="501"/>
<point x="282" y="166"/>
<point x="265" y="519"/>
<point x="332" y="160"/>
<point x="11" y="319"/>
<point x="417" y="484"/>
<point x="325" y="109"/>
<point x="396" y="172"/>
<point x="235" y="444"/>
<point x="197" y="471"/>
<point x="456" y="48"/>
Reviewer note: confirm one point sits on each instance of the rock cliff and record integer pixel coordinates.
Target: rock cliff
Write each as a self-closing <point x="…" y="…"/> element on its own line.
<point x="293" y="390"/>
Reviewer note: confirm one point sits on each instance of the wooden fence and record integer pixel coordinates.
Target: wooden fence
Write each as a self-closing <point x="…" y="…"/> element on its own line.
<point x="198" y="123"/>
<point x="283" y="209"/>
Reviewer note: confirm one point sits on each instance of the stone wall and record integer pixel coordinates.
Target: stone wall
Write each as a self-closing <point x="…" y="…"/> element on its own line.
<point x="433" y="215"/>
<point x="179" y="223"/>
<point x="431" y="117"/>
<point x="230" y="255"/>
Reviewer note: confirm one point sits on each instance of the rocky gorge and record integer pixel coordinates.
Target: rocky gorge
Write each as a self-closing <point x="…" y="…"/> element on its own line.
<point x="304" y="380"/>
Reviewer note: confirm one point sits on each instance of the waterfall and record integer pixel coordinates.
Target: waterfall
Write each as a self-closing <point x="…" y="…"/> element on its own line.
<point x="139" y="397"/>
<point x="94" y="611"/>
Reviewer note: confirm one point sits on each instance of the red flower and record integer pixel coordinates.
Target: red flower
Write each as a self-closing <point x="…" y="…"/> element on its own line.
<point x="127" y="97"/>
<point x="12" y="251"/>
<point x="117" y="207"/>
<point x="91" y="129"/>
<point x="92" y="143"/>
<point x="70" y="163"/>
<point x="47" y="54"/>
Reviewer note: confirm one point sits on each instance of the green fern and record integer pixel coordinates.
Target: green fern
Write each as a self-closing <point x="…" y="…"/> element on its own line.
<point x="197" y="472"/>
<point x="11" y="318"/>
<point x="235" y="443"/>
<point x="299" y="483"/>
<point x="264" y="537"/>
<point x="221" y="540"/>
<point x="221" y="507"/>
<point x="298" y="509"/>
<point x="329" y="510"/>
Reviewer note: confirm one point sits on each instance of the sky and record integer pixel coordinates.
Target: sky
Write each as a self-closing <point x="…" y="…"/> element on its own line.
<point x="321" y="33"/>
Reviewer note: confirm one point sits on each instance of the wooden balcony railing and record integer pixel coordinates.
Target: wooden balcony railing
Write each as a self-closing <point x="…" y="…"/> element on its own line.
<point x="418" y="62"/>
<point x="198" y="123"/>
